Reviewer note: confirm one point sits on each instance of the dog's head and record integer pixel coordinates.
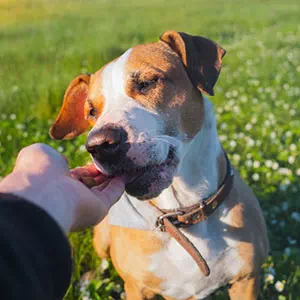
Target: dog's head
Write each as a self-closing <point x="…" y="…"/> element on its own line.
<point x="144" y="108"/>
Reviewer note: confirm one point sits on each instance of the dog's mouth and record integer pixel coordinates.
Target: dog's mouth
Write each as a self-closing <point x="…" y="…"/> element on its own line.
<point x="133" y="175"/>
<point x="148" y="181"/>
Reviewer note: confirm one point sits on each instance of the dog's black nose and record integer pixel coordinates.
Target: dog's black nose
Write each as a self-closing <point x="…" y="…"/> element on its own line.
<point x="108" y="144"/>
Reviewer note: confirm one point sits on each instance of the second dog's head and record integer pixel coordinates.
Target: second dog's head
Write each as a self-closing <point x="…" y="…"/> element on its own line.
<point x="144" y="108"/>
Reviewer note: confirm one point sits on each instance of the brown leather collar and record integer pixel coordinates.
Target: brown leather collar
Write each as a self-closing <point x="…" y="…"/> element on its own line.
<point x="170" y="220"/>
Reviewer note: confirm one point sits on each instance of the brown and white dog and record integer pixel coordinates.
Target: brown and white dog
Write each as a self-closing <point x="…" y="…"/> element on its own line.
<point x="152" y="124"/>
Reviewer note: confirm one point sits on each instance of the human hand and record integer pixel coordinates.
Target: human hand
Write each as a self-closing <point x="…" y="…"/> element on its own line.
<point x="41" y="175"/>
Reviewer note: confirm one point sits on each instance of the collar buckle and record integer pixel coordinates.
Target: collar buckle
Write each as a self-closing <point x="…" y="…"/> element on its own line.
<point x="160" y="220"/>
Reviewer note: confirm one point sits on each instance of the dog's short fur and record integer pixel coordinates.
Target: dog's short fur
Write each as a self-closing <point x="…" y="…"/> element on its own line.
<point x="150" y="101"/>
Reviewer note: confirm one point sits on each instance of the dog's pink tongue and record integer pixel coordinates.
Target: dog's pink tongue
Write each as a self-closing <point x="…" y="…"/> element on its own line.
<point x="89" y="175"/>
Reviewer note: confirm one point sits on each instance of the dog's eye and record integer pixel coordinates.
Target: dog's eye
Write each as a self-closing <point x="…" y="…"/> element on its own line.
<point x="144" y="86"/>
<point x="92" y="111"/>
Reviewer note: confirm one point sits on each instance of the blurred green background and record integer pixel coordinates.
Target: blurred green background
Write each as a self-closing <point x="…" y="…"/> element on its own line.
<point x="45" y="44"/>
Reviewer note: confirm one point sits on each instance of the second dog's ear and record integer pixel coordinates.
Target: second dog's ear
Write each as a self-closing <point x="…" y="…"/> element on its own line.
<point x="71" y="121"/>
<point x="201" y="57"/>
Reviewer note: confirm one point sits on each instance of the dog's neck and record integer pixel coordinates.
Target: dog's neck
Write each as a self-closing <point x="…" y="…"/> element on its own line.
<point x="201" y="169"/>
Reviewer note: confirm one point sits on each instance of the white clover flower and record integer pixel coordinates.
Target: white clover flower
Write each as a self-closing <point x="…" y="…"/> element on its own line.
<point x="9" y="137"/>
<point x="248" y="126"/>
<point x="223" y="138"/>
<point x="286" y="86"/>
<point x="273" y="135"/>
<point x="4" y="116"/>
<point x="267" y="123"/>
<point x="253" y="120"/>
<point x="248" y="163"/>
<point x="255" y="176"/>
<point x="271" y="116"/>
<point x="223" y="125"/>
<point x="298" y="172"/>
<point x="291" y="159"/>
<point x="236" y="109"/>
<point x="293" y="147"/>
<point x="286" y="106"/>
<point x="256" y="164"/>
<point x="268" y="163"/>
<point x="220" y="110"/>
<point x="232" y="144"/>
<point x="284" y="171"/>
<point x="241" y="135"/>
<point x="228" y="95"/>
<point x="254" y="100"/>
<point x="258" y="142"/>
<point x="236" y="157"/>
<point x="104" y="265"/>
<point x="20" y="126"/>
<point x="288" y="134"/>
<point x="269" y="278"/>
<point x="279" y="286"/>
<point x="60" y="149"/>
<point x="292" y="112"/>
<point x="25" y="134"/>
<point x="244" y="98"/>
<point x="234" y="93"/>
<point x="275" y="165"/>
<point x="82" y="148"/>
<point x="287" y="251"/>
<point x="230" y="102"/>
<point x="295" y="216"/>
<point x="250" y="142"/>
<point x="12" y="116"/>
<point x="83" y="285"/>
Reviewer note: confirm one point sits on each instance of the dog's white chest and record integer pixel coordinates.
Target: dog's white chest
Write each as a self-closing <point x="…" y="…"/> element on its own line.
<point x="181" y="276"/>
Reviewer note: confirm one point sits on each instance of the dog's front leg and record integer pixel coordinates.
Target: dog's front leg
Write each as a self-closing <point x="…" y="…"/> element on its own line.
<point x="101" y="239"/>
<point x="246" y="289"/>
<point x="134" y="292"/>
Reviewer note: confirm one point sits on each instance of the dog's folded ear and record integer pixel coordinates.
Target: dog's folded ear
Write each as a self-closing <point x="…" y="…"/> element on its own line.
<point x="71" y="121"/>
<point x="201" y="57"/>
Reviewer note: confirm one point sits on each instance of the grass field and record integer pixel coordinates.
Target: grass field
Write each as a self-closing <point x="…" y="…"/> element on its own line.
<point x="44" y="44"/>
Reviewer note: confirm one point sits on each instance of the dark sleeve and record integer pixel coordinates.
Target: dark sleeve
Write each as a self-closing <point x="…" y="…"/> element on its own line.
<point x="35" y="258"/>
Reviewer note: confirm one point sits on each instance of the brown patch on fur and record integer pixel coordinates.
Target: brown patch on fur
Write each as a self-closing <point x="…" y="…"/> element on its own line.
<point x="130" y="251"/>
<point x="246" y="289"/>
<point x="249" y="227"/>
<point x="170" y="92"/>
